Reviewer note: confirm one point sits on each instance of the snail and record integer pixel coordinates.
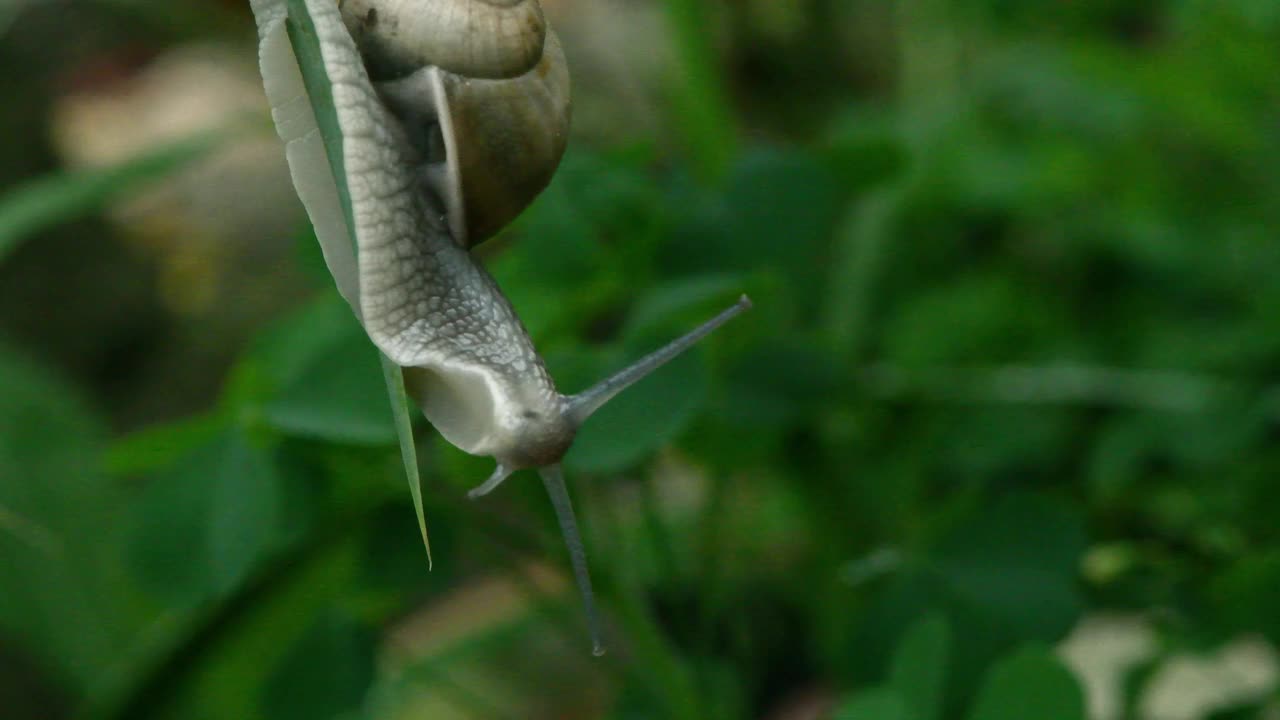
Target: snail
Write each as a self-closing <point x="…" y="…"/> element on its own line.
<point x="414" y="130"/>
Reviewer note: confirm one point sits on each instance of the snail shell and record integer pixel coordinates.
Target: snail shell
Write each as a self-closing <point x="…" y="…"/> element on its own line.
<point x="472" y="38"/>
<point x="483" y="88"/>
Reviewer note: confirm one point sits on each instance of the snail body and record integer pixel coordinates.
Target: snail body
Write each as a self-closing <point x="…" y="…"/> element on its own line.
<point x="403" y="164"/>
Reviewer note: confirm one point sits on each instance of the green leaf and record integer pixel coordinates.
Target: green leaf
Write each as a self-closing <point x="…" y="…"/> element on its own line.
<point x="160" y="446"/>
<point x="1004" y="576"/>
<point x="558" y="244"/>
<point x="294" y="343"/>
<point x="214" y="662"/>
<point x="247" y="507"/>
<point x="336" y="398"/>
<point x="781" y="383"/>
<point x="201" y="526"/>
<point x="978" y="318"/>
<point x="1004" y="442"/>
<point x="61" y="596"/>
<point x="776" y="216"/>
<point x="55" y="199"/>
<point x="1243" y="594"/>
<point x="388" y="557"/>
<point x="865" y="149"/>
<point x="918" y="670"/>
<point x="326" y="674"/>
<point x="1030" y="683"/>
<point x="1016" y="562"/>
<point x="877" y="704"/>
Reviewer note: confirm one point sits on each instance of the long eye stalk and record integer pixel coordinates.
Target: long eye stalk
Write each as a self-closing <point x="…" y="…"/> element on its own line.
<point x="582" y="405"/>
<point x="553" y="480"/>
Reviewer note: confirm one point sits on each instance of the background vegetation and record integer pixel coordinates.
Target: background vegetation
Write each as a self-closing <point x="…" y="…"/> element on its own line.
<point x="1002" y="428"/>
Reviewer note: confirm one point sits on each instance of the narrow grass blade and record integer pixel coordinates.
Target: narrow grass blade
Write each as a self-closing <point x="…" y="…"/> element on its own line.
<point x="306" y="47"/>
<point x="408" y="451"/>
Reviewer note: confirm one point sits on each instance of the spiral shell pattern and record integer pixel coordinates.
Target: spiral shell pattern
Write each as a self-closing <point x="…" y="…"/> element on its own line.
<point x="472" y="38"/>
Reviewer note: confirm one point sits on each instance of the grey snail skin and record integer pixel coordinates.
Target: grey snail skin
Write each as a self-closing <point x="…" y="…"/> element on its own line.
<point x="433" y="124"/>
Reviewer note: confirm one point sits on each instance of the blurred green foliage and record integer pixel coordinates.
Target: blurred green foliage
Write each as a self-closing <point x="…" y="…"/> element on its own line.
<point x="1011" y="363"/>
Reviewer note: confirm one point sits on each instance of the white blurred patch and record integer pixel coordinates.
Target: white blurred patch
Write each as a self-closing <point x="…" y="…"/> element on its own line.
<point x="1103" y="649"/>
